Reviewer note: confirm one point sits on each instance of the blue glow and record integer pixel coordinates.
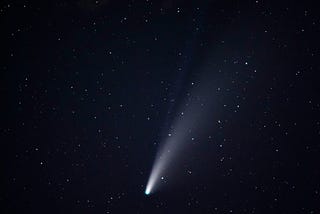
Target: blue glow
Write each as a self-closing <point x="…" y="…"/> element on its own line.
<point x="147" y="192"/>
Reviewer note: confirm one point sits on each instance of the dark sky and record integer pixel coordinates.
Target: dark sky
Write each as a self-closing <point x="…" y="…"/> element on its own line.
<point x="89" y="90"/>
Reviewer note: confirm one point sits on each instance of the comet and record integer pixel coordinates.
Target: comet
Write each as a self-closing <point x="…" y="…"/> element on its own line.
<point x="190" y="121"/>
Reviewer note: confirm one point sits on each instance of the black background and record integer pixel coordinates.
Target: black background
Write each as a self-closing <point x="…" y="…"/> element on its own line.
<point x="90" y="88"/>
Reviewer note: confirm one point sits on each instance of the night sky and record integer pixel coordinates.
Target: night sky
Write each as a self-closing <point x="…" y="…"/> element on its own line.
<point x="90" y="90"/>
